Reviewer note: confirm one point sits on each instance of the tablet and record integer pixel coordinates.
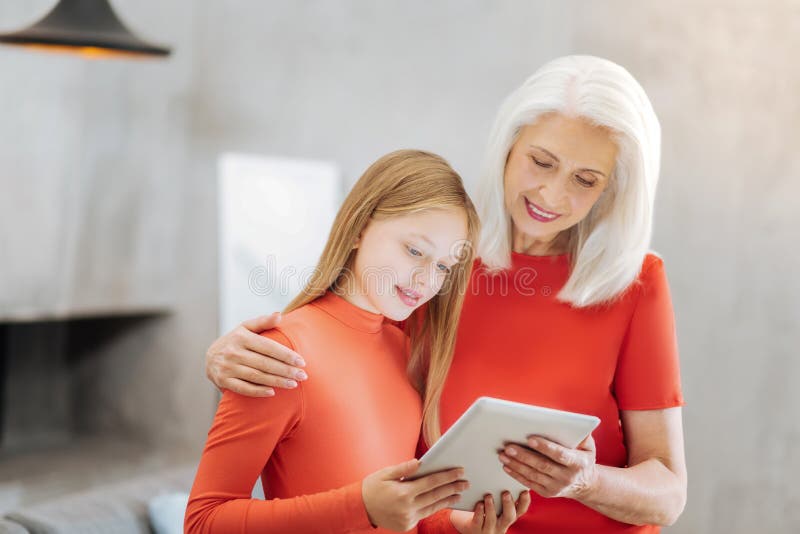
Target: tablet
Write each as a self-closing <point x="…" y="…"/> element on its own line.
<point x="476" y="437"/>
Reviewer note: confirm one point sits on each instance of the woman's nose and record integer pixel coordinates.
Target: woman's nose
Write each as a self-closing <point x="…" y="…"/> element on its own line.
<point x="554" y="192"/>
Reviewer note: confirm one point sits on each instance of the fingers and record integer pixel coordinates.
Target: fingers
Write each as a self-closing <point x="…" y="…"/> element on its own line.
<point x="490" y="516"/>
<point x="256" y="377"/>
<point x="442" y="492"/>
<point x="509" y="514"/>
<point x="269" y="347"/>
<point x="396" y="472"/>
<point x="552" y="450"/>
<point x="269" y="367"/>
<point x="538" y="469"/>
<point x="540" y="484"/>
<point x="434" y="480"/>
<point x="448" y="502"/>
<point x="262" y="322"/>
<point x="478" y="517"/>
<point x="524" y="461"/>
<point x="523" y="503"/>
<point x="247" y="389"/>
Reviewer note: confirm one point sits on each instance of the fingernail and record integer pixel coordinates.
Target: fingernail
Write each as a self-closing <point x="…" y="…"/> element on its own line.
<point x="291" y="384"/>
<point x="510" y="451"/>
<point x="505" y="459"/>
<point x="506" y="469"/>
<point x="299" y="361"/>
<point x="301" y="375"/>
<point x="533" y="442"/>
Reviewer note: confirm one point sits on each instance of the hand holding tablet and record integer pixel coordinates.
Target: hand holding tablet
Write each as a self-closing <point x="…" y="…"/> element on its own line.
<point x="484" y="429"/>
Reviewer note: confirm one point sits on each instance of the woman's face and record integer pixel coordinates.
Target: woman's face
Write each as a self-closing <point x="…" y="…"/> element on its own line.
<point x="402" y="262"/>
<point x="555" y="172"/>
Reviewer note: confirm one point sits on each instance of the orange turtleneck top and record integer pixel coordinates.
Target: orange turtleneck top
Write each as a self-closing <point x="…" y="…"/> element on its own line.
<point x="312" y="445"/>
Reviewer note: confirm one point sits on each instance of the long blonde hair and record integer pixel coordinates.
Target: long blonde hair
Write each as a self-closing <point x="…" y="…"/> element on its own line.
<point x="401" y="183"/>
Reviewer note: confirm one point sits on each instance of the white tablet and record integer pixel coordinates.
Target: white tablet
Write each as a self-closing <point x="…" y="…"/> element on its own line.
<point x="476" y="437"/>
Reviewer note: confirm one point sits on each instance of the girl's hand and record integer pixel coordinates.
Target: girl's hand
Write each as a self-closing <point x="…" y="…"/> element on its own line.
<point x="397" y="504"/>
<point x="550" y="469"/>
<point x="252" y="365"/>
<point x="484" y="520"/>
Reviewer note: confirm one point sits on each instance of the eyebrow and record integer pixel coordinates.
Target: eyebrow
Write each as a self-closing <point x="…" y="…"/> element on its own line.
<point x="556" y="158"/>
<point x="424" y="238"/>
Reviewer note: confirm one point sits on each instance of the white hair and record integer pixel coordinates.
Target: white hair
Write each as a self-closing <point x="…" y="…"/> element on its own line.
<point x="608" y="246"/>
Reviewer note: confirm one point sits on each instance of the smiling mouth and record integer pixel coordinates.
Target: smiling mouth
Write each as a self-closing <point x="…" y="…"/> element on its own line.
<point x="408" y="296"/>
<point x="539" y="213"/>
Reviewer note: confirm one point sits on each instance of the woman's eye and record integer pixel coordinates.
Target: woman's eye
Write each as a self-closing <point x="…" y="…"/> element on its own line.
<point x="444" y="268"/>
<point x="542" y="163"/>
<point x="414" y="252"/>
<point x="583" y="181"/>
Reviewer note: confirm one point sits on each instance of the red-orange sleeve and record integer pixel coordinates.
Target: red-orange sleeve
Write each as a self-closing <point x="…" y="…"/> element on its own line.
<point x="438" y="523"/>
<point x="242" y="438"/>
<point x="648" y="371"/>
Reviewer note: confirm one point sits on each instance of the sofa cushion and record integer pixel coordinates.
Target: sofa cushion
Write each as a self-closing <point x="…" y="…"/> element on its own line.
<point x="10" y="527"/>
<point x="114" y="509"/>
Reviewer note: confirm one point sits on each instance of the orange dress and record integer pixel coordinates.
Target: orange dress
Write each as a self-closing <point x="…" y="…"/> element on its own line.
<point x="517" y="342"/>
<point x="312" y="445"/>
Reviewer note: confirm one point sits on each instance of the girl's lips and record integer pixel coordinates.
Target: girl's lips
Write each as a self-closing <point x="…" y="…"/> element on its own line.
<point x="408" y="296"/>
<point x="539" y="213"/>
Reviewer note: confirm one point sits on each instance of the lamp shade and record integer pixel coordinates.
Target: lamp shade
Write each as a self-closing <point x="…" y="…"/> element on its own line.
<point x="87" y="27"/>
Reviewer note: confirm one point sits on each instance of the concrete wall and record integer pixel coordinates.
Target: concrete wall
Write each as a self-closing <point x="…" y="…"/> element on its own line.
<point x="350" y="80"/>
<point x="722" y="79"/>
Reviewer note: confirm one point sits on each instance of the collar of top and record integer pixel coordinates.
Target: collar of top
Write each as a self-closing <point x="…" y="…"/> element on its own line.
<point x="349" y="314"/>
<point x="519" y="259"/>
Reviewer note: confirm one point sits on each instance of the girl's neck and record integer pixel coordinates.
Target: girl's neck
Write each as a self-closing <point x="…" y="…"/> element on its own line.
<point x="353" y="293"/>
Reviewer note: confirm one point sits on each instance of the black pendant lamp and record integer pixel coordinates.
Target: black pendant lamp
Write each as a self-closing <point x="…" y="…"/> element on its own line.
<point x="86" y="27"/>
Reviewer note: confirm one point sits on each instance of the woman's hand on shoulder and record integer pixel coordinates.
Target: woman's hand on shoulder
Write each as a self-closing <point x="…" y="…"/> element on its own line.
<point x="247" y="363"/>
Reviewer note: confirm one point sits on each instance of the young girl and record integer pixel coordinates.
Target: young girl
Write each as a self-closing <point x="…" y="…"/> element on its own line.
<point x="401" y="239"/>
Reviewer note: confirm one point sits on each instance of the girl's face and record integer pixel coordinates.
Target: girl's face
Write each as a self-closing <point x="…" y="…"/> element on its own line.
<point x="401" y="262"/>
<point x="555" y="172"/>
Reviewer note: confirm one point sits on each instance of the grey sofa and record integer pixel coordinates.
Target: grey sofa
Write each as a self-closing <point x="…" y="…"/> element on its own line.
<point x="113" y="509"/>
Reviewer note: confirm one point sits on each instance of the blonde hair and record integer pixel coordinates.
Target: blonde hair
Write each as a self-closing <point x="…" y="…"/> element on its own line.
<point x="608" y="246"/>
<point x="402" y="183"/>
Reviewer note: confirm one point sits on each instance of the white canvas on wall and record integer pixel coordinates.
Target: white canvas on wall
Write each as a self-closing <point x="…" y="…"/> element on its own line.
<point x="274" y="218"/>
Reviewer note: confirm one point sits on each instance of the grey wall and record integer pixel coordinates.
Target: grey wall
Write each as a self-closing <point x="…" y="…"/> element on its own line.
<point x="350" y="80"/>
<point x="724" y="79"/>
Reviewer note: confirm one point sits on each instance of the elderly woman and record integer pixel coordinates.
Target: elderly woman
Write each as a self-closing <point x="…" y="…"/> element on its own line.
<point x="566" y="308"/>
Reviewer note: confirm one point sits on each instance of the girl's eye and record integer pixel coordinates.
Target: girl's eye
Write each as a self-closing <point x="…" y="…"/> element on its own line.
<point x="584" y="182"/>
<point x="444" y="268"/>
<point x="414" y="252"/>
<point x="542" y="163"/>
